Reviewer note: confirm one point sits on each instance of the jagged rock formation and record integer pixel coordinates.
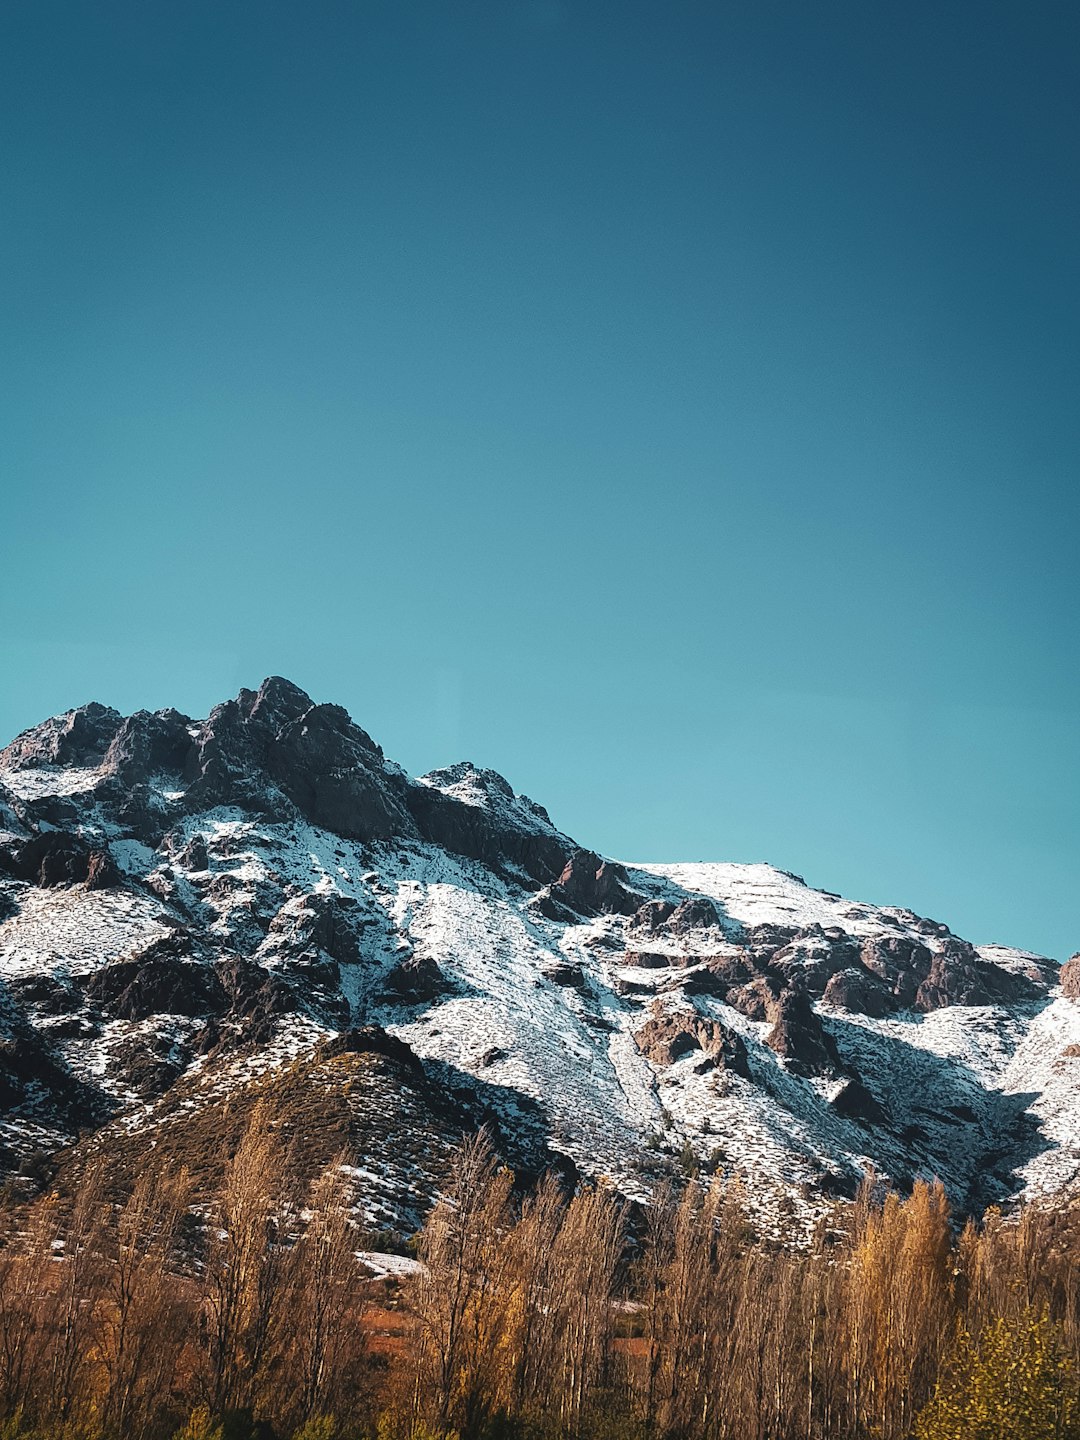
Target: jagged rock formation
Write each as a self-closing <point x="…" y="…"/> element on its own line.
<point x="194" y="912"/>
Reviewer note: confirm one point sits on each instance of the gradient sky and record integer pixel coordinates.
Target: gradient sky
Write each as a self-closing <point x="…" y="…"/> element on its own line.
<point x="675" y="406"/>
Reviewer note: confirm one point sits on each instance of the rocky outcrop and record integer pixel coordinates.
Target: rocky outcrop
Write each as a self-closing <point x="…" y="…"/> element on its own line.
<point x="372" y="1040"/>
<point x="799" y="1037"/>
<point x="565" y="973"/>
<point x="275" y="742"/>
<point x="900" y="963"/>
<point x="415" y="981"/>
<point x="162" y="980"/>
<point x="855" y="1102"/>
<point x="952" y="979"/>
<point x="80" y="737"/>
<point x="56" y="857"/>
<point x="326" y="922"/>
<point x="860" y="991"/>
<point x="591" y="886"/>
<point x="662" y="917"/>
<point x="149" y="744"/>
<point x="1070" y="978"/>
<point x="504" y="831"/>
<point x="670" y="1035"/>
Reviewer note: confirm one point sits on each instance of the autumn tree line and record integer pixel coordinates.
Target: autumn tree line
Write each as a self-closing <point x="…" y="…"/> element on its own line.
<point x="535" y="1314"/>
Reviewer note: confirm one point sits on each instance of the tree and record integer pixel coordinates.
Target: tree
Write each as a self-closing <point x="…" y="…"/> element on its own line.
<point x="1014" y="1383"/>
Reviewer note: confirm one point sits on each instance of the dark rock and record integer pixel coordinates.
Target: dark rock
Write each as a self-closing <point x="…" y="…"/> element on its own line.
<point x="647" y="959"/>
<point x="651" y="916"/>
<point x="855" y="1102"/>
<point x="56" y="857"/>
<point x="31" y="1076"/>
<point x="257" y="999"/>
<point x="953" y="978"/>
<point x="193" y="856"/>
<point x="161" y="979"/>
<point x="49" y="995"/>
<point x="859" y="991"/>
<point x="811" y="958"/>
<point x="901" y="963"/>
<point x="274" y="741"/>
<point x="565" y="973"/>
<point x="756" y="998"/>
<point x="1007" y="987"/>
<point x="490" y="833"/>
<point x="79" y="737"/>
<point x="623" y="986"/>
<point x="799" y="1037"/>
<point x="545" y="904"/>
<point x="323" y="921"/>
<point x="149" y="744"/>
<point x="769" y="937"/>
<point x="149" y="1067"/>
<point x="710" y="979"/>
<point x="590" y="886"/>
<point x="669" y="1035"/>
<point x="694" y="913"/>
<point x="416" y="981"/>
<point x="334" y="773"/>
<point x="372" y="1040"/>
<point x="101" y="871"/>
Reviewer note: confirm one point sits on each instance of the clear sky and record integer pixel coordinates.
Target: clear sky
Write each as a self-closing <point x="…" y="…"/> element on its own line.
<point x="675" y="406"/>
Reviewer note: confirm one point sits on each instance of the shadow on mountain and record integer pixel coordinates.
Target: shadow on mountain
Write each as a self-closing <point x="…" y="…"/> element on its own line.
<point x="952" y="1125"/>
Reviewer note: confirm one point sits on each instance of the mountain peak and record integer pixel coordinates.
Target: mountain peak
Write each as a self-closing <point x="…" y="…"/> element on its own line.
<point x="186" y="903"/>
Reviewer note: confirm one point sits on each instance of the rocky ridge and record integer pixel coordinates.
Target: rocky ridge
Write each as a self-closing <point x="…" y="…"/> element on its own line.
<point x="192" y="910"/>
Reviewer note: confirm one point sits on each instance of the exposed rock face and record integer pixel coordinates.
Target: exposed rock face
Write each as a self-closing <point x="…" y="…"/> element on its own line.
<point x="900" y="963"/>
<point x="566" y="974"/>
<point x="415" y="981"/>
<point x="799" y="1037"/>
<point x="670" y="1035"/>
<point x="661" y="917"/>
<point x="590" y="886"/>
<point x="952" y="979"/>
<point x="148" y="744"/>
<point x="322" y="922"/>
<point x="80" y="737"/>
<point x="55" y="857"/>
<point x="1070" y="978"/>
<point x="331" y="770"/>
<point x="256" y="997"/>
<point x="162" y="980"/>
<point x="187" y="906"/>
<point x="696" y="913"/>
<point x="861" y="991"/>
<point x="499" y="828"/>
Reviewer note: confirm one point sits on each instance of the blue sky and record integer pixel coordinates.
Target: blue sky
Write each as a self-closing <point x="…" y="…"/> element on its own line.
<point x="673" y="406"/>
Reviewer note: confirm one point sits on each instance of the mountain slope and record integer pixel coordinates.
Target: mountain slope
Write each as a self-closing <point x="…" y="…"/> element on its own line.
<point x="194" y="914"/>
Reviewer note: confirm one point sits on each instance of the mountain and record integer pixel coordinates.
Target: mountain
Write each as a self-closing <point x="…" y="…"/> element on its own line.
<point x="259" y="908"/>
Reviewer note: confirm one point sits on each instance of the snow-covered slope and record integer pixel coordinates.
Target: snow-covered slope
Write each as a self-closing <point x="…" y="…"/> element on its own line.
<point x="193" y="914"/>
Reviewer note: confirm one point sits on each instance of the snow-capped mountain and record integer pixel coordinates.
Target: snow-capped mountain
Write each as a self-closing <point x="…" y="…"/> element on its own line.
<point x="199" y="915"/>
